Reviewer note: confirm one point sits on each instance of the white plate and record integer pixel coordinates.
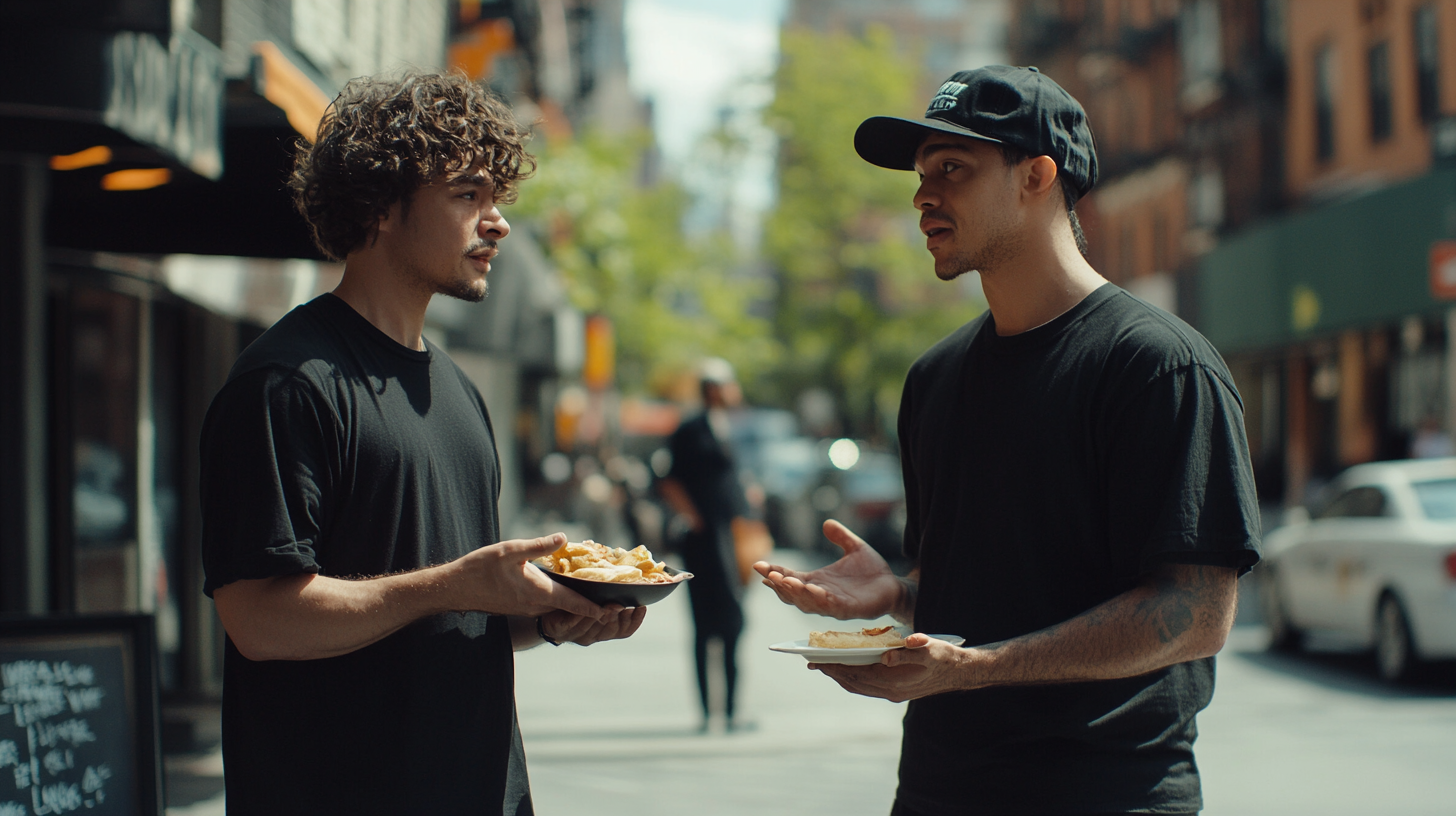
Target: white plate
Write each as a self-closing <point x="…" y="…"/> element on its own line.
<point x="849" y="657"/>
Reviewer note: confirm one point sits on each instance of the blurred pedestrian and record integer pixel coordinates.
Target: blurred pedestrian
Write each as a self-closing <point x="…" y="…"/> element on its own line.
<point x="703" y="488"/>
<point x="350" y="485"/>
<point x="1079" y="495"/>
<point x="1430" y="440"/>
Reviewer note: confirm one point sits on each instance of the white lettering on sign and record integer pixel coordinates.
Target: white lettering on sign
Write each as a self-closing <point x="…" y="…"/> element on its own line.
<point x="61" y="798"/>
<point x="76" y="732"/>
<point x="36" y="691"/>
<point x="170" y="96"/>
<point x="88" y="699"/>
<point x="57" y="761"/>
<point x="13" y="809"/>
<point x="94" y="779"/>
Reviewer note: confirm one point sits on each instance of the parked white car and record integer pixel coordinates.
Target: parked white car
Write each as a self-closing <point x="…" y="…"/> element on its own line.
<point x="1376" y="563"/>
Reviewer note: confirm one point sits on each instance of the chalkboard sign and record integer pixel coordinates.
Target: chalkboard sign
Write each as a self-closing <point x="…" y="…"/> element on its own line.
<point x="78" y="717"/>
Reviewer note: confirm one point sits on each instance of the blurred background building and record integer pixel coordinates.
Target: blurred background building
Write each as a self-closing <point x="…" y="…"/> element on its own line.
<point x="148" y="237"/>
<point x="1277" y="172"/>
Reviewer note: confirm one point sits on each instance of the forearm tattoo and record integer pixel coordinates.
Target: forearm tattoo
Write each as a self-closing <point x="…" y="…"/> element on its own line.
<point x="1180" y="594"/>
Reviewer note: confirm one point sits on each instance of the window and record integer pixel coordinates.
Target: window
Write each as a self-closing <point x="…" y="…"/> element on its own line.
<point x="1360" y="502"/>
<point x="1378" y="61"/>
<point x="1200" y="45"/>
<point x="1428" y="63"/>
<point x="1324" y="102"/>
<point x="1437" y="498"/>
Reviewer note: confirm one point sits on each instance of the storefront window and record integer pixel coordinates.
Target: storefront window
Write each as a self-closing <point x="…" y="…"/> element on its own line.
<point x="103" y="409"/>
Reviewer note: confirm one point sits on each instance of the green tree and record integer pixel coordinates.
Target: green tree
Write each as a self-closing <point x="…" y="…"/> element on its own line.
<point x="857" y="299"/>
<point x="621" y="248"/>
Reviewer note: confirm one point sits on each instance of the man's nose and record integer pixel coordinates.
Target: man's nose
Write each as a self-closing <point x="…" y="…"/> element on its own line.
<point x="494" y="225"/>
<point x="925" y="198"/>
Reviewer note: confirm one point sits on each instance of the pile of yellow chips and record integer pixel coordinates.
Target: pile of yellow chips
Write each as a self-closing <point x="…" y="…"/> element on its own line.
<point x="591" y="561"/>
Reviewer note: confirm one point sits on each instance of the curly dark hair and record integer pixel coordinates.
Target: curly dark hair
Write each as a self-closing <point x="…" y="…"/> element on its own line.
<point x="384" y="138"/>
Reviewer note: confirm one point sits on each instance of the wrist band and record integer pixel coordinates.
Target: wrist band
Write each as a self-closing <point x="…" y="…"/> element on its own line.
<point x="541" y="630"/>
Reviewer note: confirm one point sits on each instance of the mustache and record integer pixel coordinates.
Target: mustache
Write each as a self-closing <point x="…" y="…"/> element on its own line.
<point x="482" y="245"/>
<point x="936" y="215"/>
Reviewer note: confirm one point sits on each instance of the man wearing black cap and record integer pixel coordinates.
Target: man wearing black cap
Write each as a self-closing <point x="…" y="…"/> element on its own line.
<point x="1079" y="496"/>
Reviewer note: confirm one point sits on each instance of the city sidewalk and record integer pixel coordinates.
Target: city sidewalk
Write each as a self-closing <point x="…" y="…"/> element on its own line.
<point x="613" y="729"/>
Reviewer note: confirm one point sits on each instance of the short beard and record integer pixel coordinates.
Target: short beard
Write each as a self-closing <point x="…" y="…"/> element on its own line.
<point x="465" y="290"/>
<point x="999" y="248"/>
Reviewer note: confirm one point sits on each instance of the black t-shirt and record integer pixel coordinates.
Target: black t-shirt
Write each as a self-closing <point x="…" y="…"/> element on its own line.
<point x="1045" y="473"/>
<point x="334" y="450"/>
<point x="704" y="465"/>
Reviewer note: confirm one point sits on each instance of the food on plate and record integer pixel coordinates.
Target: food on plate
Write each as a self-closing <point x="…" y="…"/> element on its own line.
<point x="591" y="561"/>
<point x="884" y="637"/>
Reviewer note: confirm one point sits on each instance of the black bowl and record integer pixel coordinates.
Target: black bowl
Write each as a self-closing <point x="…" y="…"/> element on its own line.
<point x="606" y="592"/>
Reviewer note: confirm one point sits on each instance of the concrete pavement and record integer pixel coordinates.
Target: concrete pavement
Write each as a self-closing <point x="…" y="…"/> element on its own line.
<point x="612" y="729"/>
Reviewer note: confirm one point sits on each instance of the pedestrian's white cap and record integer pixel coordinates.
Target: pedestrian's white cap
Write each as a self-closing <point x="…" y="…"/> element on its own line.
<point x="716" y="370"/>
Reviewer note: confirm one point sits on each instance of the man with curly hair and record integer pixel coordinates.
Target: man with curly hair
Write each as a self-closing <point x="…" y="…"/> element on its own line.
<point x="349" y="486"/>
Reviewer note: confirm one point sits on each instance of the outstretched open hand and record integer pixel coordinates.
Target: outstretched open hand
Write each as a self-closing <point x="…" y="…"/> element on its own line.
<point x="859" y="585"/>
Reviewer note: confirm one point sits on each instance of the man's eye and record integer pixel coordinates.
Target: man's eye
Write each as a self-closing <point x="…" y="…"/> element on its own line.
<point x="948" y="167"/>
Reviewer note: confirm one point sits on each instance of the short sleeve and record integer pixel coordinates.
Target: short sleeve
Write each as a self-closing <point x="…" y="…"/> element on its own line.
<point x="263" y="478"/>
<point x="909" y="473"/>
<point x="1180" y="484"/>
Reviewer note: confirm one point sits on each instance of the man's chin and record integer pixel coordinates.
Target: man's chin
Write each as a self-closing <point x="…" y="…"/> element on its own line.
<point x="470" y="292"/>
<point x="950" y="270"/>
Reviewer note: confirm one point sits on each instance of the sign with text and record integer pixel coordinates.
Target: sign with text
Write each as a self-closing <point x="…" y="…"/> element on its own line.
<point x="168" y="95"/>
<point x="78" y="717"/>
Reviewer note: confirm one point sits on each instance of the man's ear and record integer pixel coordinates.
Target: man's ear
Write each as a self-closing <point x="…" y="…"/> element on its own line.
<point x="387" y="222"/>
<point x="1041" y="176"/>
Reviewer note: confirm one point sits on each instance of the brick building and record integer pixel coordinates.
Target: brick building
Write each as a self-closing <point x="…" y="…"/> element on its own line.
<point x="1274" y="173"/>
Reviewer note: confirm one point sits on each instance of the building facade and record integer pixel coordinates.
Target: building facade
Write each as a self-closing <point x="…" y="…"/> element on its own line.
<point x="1274" y="172"/>
<point x="148" y="237"/>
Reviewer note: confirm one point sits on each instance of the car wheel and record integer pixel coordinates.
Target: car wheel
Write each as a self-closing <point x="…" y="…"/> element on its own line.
<point x="1395" y="654"/>
<point x="1284" y="636"/>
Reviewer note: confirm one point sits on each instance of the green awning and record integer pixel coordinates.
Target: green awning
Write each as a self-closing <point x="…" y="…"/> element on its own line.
<point x="1356" y="263"/>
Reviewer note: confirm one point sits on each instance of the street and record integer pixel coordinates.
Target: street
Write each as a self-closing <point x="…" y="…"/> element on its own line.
<point x="612" y="729"/>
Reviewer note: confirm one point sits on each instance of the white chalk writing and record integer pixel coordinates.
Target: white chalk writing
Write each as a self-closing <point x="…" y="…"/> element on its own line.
<point x="74" y="731"/>
<point x="33" y="672"/>
<point x="59" y="798"/>
<point x="94" y="779"/>
<point x="87" y="699"/>
<point x="57" y="761"/>
<point x="33" y="693"/>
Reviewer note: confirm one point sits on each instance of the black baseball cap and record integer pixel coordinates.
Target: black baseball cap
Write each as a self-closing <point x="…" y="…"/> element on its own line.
<point x="1021" y="107"/>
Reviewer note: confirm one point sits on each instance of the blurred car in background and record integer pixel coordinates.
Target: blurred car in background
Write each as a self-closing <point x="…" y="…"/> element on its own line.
<point x="1375" y="563"/>
<point x="788" y="470"/>
<point x="864" y="490"/>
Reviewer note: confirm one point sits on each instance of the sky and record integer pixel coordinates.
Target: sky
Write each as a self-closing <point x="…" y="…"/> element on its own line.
<point x="691" y="57"/>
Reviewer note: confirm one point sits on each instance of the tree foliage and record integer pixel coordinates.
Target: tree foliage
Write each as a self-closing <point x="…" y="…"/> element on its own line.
<point x="857" y="300"/>
<point x="621" y="249"/>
